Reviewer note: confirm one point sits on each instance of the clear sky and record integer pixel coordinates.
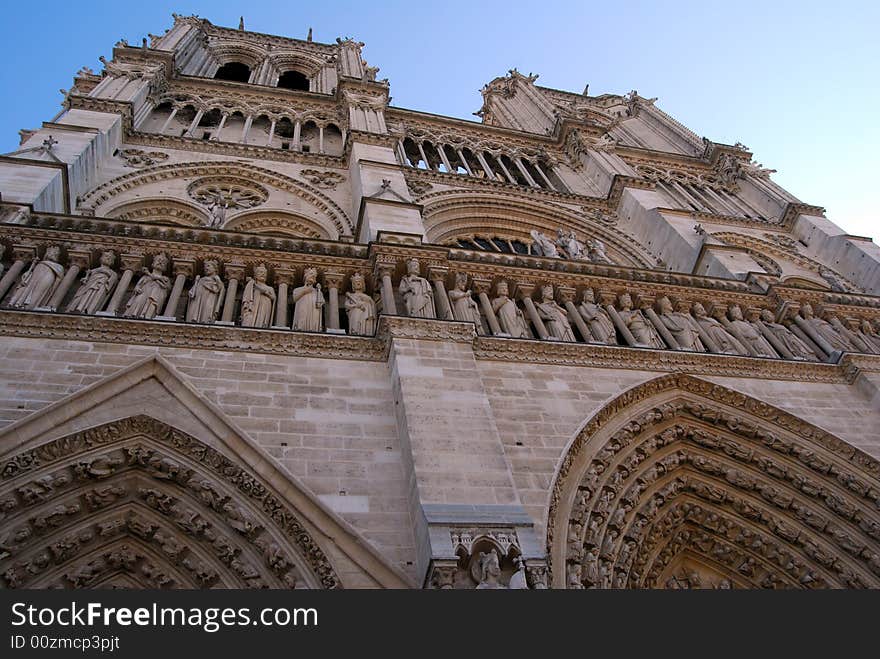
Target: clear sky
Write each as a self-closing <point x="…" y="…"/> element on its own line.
<point x="797" y="82"/>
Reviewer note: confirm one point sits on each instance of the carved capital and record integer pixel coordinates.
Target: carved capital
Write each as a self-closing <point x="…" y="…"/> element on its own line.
<point x="24" y="251"/>
<point x="131" y="261"/>
<point x="81" y="258"/>
<point x="384" y="269"/>
<point x="437" y="273"/>
<point x="184" y="266"/>
<point x="443" y="575"/>
<point x="565" y="293"/>
<point x="481" y="285"/>
<point x="333" y="279"/>
<point x="524" y="289"/>
<point x="234" y="270"/>
<point x="284" y="275"/>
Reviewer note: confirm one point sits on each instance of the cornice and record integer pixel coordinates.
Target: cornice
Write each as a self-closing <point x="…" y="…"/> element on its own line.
<point x="662" y="361"/>
<point x="188" y="335"/>
<point x="402" y="327"/>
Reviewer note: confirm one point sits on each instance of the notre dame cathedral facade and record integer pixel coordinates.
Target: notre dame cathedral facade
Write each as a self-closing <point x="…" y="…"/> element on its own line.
<point x="263" y="329"/>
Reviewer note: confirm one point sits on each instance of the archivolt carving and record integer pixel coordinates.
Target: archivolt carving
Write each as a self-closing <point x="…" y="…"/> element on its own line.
<point x="144" y="500"/>
<point x="256" y="175"/>
<point x="160" y="209"/>
<point x="451" y="214"/>
<point x="279" y="223"/>
<point x="679" y="466"/>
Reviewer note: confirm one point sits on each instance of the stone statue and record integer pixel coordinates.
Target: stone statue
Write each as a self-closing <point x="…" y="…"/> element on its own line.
<point x="749" y="333"/>
<point x="597" y="319"/>
<point x="96" y="286"/>
<point x="518" y="580"/>
<point x="682" y="326"/>
<point x="869" y="336"/>
<point x="218" y="212"/>
<point x="834" y="280"/>
<point x="824" y="329"/>
<point x="40" y="281"/>
<point x="596" y="252"/>
<point x="308" y="303"/>
<point x="206" y="295"/>
<point x="416" y="292"/>
<point x="554" y="316"/>
<point x="149" y="294"/>
<point x="257" y="300"/>
<point x="725" y="341"/>
<point x="464" y="307"/>
<point x="490" y="570"/>
<point x="573" y="248"/>
<point x="591" y="567"/>
<point x="543" y="244"/>
<point x="510" y="316"/>
<point x="645" y="334"/>
<point x="781" y="333"/>
<point x="360" y="307"/>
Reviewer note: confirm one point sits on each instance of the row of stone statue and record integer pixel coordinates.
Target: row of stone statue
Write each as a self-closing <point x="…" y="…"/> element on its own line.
<point x="683" y="327"/>
<point x="568" y="246"/>
<point x="101" y="291"/>
<point x="686" y="326"/>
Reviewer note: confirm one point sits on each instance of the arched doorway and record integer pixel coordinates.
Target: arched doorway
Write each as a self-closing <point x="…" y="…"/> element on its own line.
<point x="681" y="483"/>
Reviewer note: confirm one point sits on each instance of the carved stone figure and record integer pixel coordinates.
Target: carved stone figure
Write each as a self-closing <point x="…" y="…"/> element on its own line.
<point x="596" y="252"/>
<point x="554" y="316"/>
<point x="645" y="333"/>
<point x="573" y="248"/>
<point x="510" y="317"/>
<point x="206" y="295"/>
<point x="682" y="326"/>
<point x="824" y="329"/>
<point x="149" y="294"/>
<point x="597" y="319"/>
<point x="416" y="292"/>
<point x="37" y="285"/>
<point x="97" y="284"/>
<point x="218" y="211"/>
<point x="795" y="346"/>
<point x="360" y="307"/>
<point x="544" y="245"/>
<point x="464" y="307"/>
<point x="749" y="333"/>
<point x="257" y="300"/>
<point x="308" y="303"/>
<point x="725" y="341"/>
<point x="490" y="570"/>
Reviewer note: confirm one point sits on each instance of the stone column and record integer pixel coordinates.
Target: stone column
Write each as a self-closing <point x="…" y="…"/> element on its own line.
<point x="646" y="304"/>
<point x="22" y="255"/>
<point x="234" y="272"/>
<point x="524" y="290"/>
<point x="817" y="338"/>
<point x="247" y="126"/>
<point x="194" y="124"/>
<point x="271" y="133"/>
<point x="130" y="263"/>
<point x="77" y="260"/>
<point x="223" y="118"/>
<point x="608" y="302"/>
<point x="169" y="120"/>
<point x="522" y="168"/>
<point x="566" y="294"/>
<point x="482" y="287"/>
<point x="284" y="278"/>
<point x="464" y="162"/>
<point x="183" y="268"/>
<point x="332" y="282"/>
<point x="384" y="272"/>
<point x="437" y="275"/>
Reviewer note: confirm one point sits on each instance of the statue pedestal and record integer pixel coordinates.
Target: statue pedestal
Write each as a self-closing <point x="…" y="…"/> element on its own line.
<point x="170" y="318"/>
<point x="335" y="331"/>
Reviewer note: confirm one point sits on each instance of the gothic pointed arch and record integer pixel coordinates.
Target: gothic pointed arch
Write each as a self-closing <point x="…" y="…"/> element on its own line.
<point x="162" y="210"/>
<point x="138" y="481"/>
<point x="119" y="190"/>
<point x="680" y="482"/>
<point x="279" y="223"/>
<point x="458" y="213"/>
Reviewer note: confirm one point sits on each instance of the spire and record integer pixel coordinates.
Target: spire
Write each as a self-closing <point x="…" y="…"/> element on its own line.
<point x="241" y="22"/>
<point x="309" y="37"/>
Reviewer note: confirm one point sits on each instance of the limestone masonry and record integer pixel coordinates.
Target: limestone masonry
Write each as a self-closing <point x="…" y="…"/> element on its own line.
<point x="263" y="329"/>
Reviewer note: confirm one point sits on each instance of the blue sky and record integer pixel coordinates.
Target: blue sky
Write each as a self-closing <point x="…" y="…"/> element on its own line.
<point x="797" y="82"/>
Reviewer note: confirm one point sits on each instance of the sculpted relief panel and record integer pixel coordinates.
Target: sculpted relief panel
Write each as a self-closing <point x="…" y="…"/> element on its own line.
<point x="140" y="499"/>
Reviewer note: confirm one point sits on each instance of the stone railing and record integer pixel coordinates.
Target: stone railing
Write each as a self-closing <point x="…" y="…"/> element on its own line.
<point x="114" y="269"/>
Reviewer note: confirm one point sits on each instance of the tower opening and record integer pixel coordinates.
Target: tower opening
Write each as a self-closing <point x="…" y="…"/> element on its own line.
<point x="293" y="80"/>
<point x="233" y="72"/>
